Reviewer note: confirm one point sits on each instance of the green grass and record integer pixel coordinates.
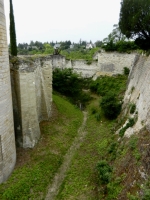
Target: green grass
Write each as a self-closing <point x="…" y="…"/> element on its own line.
<point x="31" y="179"/>
<point x="80" y="54"/>
<point x="81" y="181"/>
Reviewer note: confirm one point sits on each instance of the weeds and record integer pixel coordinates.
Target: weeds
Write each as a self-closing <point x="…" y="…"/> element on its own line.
<point x="31" y="180"/>
<point x="130" y="123"/>
<point x="132" y="108"/>
<point x="104" y="171"/>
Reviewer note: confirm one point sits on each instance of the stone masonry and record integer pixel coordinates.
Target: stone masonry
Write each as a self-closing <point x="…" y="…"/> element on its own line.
<point x="7" y="139"/>
<point x="32" y="97"/>
<point x="105" y="63"/>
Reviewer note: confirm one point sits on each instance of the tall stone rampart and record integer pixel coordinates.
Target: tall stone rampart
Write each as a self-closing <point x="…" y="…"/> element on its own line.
<point x="32" y="97"/>
<point x="138" y="93"/>
<point x="7" y="139"/>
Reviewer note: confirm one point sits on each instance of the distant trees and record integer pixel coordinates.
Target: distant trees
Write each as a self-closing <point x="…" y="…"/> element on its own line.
<point x="117" y="41"/>
<point x="98" y="43"/>
<point x="134" y="21"/>
<point x="115" y="36"/>
<point x="65" y="45"/>
<point x="13" y="43"/>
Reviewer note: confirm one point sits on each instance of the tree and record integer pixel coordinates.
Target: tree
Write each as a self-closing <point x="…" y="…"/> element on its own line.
<point x="13" y="43"/>
<point x="115" y="36"/>
<point x="134" y="21"/>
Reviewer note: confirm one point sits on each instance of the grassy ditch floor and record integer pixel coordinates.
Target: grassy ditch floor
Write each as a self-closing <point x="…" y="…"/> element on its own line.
<point x="36" y="167"/>
<point x="107" y="166"/>
<point x="81" y="180"/>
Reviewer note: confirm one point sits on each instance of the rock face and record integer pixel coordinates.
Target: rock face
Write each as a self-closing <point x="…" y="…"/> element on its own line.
<point x="138" y="93"/>
<point x="7" y="139"/>
<point x="32" y="98"/>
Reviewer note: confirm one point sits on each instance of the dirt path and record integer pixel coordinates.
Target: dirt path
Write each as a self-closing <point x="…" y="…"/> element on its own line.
<point x="53" y="189"/>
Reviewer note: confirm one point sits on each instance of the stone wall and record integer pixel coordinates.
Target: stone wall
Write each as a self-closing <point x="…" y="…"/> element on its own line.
<point x="7" y="139"/>
<point x="138" y="93"/>
<point x="32" y="97"/>
<point x="105" y="64"/>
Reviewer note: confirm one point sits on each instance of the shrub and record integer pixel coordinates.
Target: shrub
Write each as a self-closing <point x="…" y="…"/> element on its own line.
<point x="111" y="106"/>
<point x="104" y="84"/>
<point x="93" y="110"/>
<point x="130" y="123"/>
<point x="133" y="108"/>
<point x="104" y="171"/>
<point x="98" y="116"/>
<point x="120" y="46"/>
<point x="70" y="84"/>
<point x="126" y="70"/>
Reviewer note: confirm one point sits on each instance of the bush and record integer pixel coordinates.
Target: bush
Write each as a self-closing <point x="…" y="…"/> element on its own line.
<point x="70" y="84"/>
<point x="111" y="106"/>
<point x="126" y="70"/>
<point x="146" y="194"/>
<point x="133" y="108"/>
<point x="130" y="123"/>
<point x="104" y="171"/>
<point x="120" y="46"/>
<point x="104" y="84"/>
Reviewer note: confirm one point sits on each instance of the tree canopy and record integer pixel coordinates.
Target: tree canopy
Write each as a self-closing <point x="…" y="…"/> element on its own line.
<point x="134" y="21"/>
<point x="13" y="43"/>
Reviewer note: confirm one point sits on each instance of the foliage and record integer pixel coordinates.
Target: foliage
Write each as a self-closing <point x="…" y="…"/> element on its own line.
<point x="104" y="171"/>
<point x="70" y="84"/>
<point x="130" y="123"/>
<point x="13" y="43"/>
<point x="120" y="46"/>
<point x="115" y="35"/>
<point x="31" y="180"/>
<point x="98" y="43"/>
<point x="80" y="53"/>
<point x="104" y="84"/>
<point x="126" y="71"/>
<point x="146" y="194"/>
<point x="113" y="189"/>
<point x="110" y="106"/>
<point x="134" y="21"/>
<point x="132" y="108"/>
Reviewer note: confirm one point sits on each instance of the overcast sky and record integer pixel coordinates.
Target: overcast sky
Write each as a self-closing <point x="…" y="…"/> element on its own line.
<point x="60" y="20"/>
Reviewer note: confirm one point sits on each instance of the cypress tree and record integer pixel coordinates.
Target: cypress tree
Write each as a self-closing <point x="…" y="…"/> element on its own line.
<point x="13" y="43"/>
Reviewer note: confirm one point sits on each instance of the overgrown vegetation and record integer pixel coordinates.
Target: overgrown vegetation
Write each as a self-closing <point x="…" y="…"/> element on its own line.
<point x="30" y="179"/>
<point x="70" y="84"/>
<point x="105" y="166"/>
<point x="110" y="106"/>
<point x="130" y="123"/>
<point x="111" y="89"/>
<point x="126" y="71"/>
<point x="121" y="46"/>
<point x="86" y="54"/>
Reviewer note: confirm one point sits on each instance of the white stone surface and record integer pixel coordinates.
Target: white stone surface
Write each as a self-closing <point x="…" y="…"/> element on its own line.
<point x="138" y="92"/>
<point x="7" y="139"/>
<point x="32" y="99"/>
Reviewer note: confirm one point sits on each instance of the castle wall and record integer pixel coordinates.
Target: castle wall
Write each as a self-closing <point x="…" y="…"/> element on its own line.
<point x="108" y="64"/>
<point x="138" y="93"/>
<point x="7" y="139"/>
<point x="114" y="62"/>
<point x="32" y="98"/>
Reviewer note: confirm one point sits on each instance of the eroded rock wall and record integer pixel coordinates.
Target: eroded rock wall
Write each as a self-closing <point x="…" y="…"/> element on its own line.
<point x="138" y="93"/>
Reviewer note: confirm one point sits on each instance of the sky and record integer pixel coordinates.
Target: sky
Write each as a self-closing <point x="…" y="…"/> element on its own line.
<point x="61" y="20"/>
